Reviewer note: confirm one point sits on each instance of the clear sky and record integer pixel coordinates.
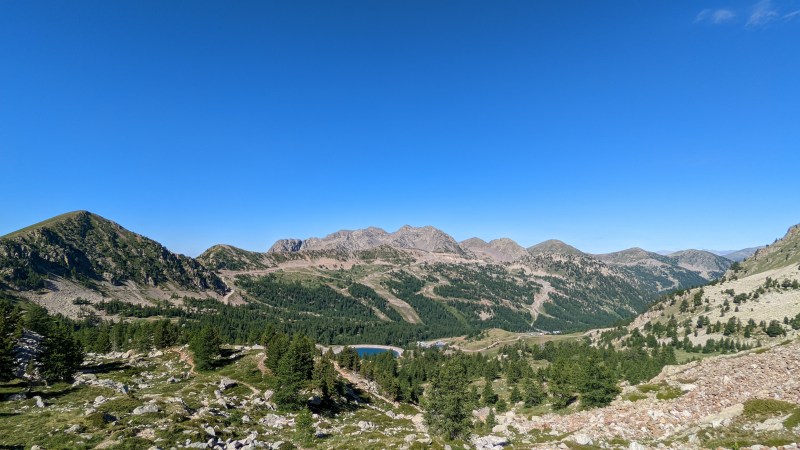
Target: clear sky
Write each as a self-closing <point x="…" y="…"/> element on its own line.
<point x="665" y="125"/>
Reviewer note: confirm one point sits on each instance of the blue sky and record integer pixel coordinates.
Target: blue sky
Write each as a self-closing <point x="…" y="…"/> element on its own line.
<point x="664" y="125"/>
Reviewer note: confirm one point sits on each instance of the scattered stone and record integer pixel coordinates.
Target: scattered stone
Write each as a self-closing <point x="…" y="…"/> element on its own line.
<point x="365" y="426"/>
<point x="146" y="409"/>
<point x="489" y="442"/>
<point x="39" y="401"/>
<point x="500" y="429"/>
<point x="582" y="439"/>
<point x="274" y="421"/>
<point x="74" y="429"/>
<point x="210" y="431"/>
<point x="226" y="383"/>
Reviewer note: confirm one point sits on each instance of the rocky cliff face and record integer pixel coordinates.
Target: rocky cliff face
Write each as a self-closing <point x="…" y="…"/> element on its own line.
<point x="286" y="246"/>
<point x="501" y="250"/>
<point x="427" y="238"/>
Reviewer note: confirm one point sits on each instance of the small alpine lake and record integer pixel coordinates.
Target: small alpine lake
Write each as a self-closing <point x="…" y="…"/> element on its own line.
<point x="363" y="352"/>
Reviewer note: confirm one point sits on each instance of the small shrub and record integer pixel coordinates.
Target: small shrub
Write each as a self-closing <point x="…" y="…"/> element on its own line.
<point x="757" y="408"/>
<point x="793" y="420"/>
<point x="669" y="393"/>
<point x="647" y="388"/>
<point x="635" y="397"/>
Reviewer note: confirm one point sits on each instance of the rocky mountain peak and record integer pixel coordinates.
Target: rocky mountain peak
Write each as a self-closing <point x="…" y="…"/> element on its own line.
<point x="425" y="238"/>
<point x="554" y="246"/>
<point x="83" y="246"/>
<point x="501" y="250"/>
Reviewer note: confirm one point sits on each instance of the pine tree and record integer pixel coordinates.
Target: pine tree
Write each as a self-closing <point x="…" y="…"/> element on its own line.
<point x="598" y="386"/>
<point x="205" y="347"/>
<point x="164" y="335"/>
<point x="276" y="346"/>
<point x="501" y="405"/>
<point x="562" y="383"/>
<point x="515" y="395"/>
<point x="304" y="427"/>
<point x="488" y="396"/>
<point x="37" y="320"/>
<point x="295" y="370"/>
<point x="448" y="409"/>
<point x="534" y="394"/>
<point x="9" y="319"/>
<point x="490" y="422"/>
<point x="325" y="379"/>
<point x="61" y="355"/>
<point x="102" y="343"/>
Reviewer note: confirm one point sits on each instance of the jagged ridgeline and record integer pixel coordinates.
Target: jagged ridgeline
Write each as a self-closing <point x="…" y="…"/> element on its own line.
<point x="88" y="249"/>
<point x="369" y="284"/>
<point x="474" y="284"/>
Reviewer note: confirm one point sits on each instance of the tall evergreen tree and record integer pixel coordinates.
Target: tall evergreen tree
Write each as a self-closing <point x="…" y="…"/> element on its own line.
<point x="488" y="396"/>
<point x="205" y="347"/>
<point x="294" y="371"/>
<point x="304" y="427"/>
<point x="9" y="320"/>
<point x="448" y="408"/>
<point x="37" y="320"/>
<point x="325" y="379"/>
<point x="533" y="392"/>
<point x="598" y="385"/>
<point x="61" y="354"/>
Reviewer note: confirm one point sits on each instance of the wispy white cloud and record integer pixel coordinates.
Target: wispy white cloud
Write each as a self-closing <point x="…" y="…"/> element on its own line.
<point x="762" y="14"/>
<point x="702" y="15"/>
<point x="715" y="16"/>
<point x="722" y="16"/>
<point x="792" y="15"/>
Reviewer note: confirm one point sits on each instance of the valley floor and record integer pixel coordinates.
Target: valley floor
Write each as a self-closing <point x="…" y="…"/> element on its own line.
<point x="159" y="401"/>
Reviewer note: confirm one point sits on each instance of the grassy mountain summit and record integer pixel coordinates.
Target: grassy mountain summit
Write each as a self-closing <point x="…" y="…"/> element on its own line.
<point x="707" y="264"/>
<point x="228" y="257"/>
<point x="661" y="273"/>
<point x="554" y="246"/>
<point x="86" y="248"/>
<point x="781" y="253"/>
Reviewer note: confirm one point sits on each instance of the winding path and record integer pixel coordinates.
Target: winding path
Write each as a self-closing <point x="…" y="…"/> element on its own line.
<point x="186" y="357"/>
<point x="364" y="384"/>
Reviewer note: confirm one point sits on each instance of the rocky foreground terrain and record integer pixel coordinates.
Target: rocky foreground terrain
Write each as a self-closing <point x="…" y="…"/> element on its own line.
<point x="158" y="400"/>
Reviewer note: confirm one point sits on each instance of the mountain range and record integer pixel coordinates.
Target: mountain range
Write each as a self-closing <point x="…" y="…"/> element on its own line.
<point x="419" y="275"/>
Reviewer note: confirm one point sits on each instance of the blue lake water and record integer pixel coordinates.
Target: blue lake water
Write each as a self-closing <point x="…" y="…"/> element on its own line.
<point x="369" y="351"/>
